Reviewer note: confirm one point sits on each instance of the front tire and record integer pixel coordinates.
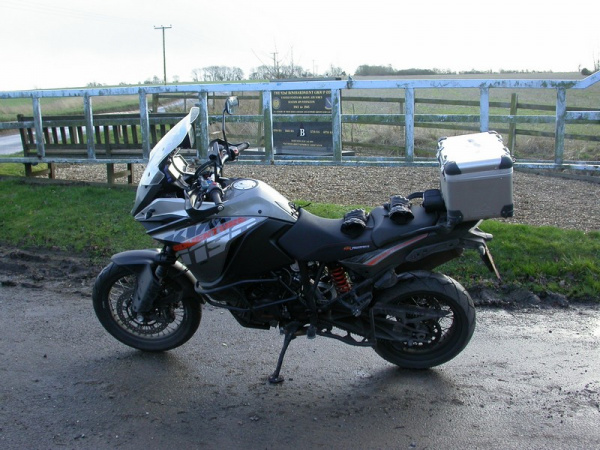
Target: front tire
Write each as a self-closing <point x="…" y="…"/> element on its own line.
<point x="171" y="322"/>
<point x="433" y="341"/>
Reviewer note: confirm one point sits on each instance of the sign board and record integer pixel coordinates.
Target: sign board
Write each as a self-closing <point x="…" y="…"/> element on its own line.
<point x="298" y="138"/>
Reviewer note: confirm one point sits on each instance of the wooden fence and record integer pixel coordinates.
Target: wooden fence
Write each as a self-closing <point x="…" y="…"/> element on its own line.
<point x="95" y="130"/>
<point x="510" y="132"/>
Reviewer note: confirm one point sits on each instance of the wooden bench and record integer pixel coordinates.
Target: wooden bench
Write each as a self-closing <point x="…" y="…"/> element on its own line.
<point x="116" y="137"/>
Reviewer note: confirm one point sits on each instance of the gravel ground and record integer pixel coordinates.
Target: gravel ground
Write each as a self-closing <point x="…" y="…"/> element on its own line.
<point x="539" y="199"/>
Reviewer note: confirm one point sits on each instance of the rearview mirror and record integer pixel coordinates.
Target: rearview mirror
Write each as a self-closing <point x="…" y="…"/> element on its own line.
<point x="231" y="105"/>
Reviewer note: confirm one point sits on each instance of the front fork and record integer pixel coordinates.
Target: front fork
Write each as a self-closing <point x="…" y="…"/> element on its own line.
<point x="150" y="275"/>
<point x="147" y="289"/>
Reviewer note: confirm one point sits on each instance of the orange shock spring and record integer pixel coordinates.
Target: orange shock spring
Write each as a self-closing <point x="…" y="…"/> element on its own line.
<point x="340" y="279"/>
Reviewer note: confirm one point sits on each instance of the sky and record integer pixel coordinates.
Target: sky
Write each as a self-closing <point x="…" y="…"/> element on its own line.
<point x="71" y="43"/>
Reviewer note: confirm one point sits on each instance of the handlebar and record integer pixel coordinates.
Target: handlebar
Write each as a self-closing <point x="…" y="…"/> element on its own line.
<point x="243" y="146"/>
<point x="207" y="180"/>
<point x="233" y="151"/>
<point x="218" y="156"/>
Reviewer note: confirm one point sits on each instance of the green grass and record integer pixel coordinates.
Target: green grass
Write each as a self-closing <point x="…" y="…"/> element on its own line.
<point x="96" y="221"/>
<point x="538" y="258"/>
<point x="72" y="218"/>
<point x="17" y="169"/>
<point x="14" y="169"/>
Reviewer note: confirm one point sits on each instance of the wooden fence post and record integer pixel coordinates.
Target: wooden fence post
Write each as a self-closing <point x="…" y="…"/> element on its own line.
<point x="512" y="128"/>
<point x="268" y="126"/>
<point x="39" y="131"/>
<point x="559" y="133"/>
<point x="336" y="123"/>
<point x="202" y="133"/>
<point x="401" y="111"/>
<point x="259" y="131"/>
<point x="484" y="109"/>
<point x="409" y="124"/>
<point x="144" y="124"/>
<point x="89" y="126"/>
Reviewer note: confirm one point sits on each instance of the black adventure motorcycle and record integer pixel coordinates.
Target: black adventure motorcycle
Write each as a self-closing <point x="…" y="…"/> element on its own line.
<point x="238" y="244"/>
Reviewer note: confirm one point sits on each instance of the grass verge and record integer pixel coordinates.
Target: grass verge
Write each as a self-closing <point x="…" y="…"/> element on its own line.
<point x="96" y="221"/>
<point x="72" y="218"/>
<point x="17" y="169"/>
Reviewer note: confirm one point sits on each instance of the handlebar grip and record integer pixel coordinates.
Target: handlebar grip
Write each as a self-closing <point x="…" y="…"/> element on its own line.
<point x="215" y="196"/>
<point x="234" y="150"/>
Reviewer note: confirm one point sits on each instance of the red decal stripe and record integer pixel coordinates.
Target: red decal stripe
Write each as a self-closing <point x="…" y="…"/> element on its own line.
<point x="394" y="249"/>
<point x="207" y="234"/>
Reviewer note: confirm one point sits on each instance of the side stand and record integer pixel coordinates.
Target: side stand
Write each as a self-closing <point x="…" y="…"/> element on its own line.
<point x="290" y="334"/>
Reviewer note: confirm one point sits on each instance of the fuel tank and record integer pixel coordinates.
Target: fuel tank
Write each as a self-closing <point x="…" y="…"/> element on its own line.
<point x="247" y="197"/>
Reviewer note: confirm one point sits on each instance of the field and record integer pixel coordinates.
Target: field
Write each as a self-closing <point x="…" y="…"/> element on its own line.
<point x="9" y="109"/>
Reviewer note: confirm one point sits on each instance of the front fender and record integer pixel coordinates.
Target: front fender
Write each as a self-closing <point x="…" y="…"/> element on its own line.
<point x="138" y="260"/>
<point x="136" y="257"/>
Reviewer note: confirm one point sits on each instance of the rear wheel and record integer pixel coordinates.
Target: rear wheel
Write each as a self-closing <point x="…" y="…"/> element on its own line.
<point x="172" y="321"/>
<point x="433" y="323"/>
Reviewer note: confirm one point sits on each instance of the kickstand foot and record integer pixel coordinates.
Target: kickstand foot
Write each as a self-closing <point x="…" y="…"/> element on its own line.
<point x="290" y="334"/>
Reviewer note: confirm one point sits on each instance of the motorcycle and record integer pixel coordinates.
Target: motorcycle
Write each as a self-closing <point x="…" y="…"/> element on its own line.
<point x="366" y="279"/>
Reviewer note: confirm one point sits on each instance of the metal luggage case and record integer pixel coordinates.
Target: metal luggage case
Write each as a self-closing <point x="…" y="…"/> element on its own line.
<point x="476" y="177"/>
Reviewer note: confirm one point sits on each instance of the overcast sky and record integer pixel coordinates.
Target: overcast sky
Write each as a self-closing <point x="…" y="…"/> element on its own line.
<point x="70" y="43"/>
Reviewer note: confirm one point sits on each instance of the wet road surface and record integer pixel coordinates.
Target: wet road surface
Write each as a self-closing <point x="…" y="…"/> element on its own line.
<point x="528" y="379"/>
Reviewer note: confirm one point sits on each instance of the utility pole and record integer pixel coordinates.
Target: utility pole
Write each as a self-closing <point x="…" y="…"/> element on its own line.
<point x="164" y="51"/>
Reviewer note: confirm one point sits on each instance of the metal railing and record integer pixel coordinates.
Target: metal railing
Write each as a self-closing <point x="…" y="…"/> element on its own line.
<point x="408" y="119"/>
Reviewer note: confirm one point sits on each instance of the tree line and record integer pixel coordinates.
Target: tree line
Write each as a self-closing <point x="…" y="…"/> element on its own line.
<point x="287" y="71"/>
<point x="279" y="71"/>
<point x="263" y="72"/>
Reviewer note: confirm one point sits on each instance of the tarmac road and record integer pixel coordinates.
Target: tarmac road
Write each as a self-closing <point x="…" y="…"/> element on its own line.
<point x="10" y="143"/>
<point x="528" y="379"/>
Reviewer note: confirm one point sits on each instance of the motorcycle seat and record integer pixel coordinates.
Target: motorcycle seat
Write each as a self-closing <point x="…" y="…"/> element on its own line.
<point x="313" y="238"/>
<point x="385" y="231"/>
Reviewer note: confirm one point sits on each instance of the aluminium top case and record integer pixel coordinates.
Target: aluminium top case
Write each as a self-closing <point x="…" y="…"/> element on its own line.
<point x="476" y="173"/>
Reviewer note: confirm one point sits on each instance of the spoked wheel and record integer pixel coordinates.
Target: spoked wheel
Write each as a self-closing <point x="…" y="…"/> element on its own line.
<point x="428" y="318"/>
<point x="171" y="322"/>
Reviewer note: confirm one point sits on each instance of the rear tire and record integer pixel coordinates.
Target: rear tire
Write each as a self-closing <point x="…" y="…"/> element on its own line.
<point x="434" y="341"/>
<point x="171" y="322"/>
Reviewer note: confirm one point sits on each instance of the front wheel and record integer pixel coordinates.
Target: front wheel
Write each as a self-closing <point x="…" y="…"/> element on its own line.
<point x="172" y="321"/>
<point x="433" y="321"/>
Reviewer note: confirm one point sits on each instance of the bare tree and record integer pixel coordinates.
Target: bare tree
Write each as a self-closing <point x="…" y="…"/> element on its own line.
<point x="218" y="73"/>
<point x="334" y="71"/>
<point x="196" y="74"/>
